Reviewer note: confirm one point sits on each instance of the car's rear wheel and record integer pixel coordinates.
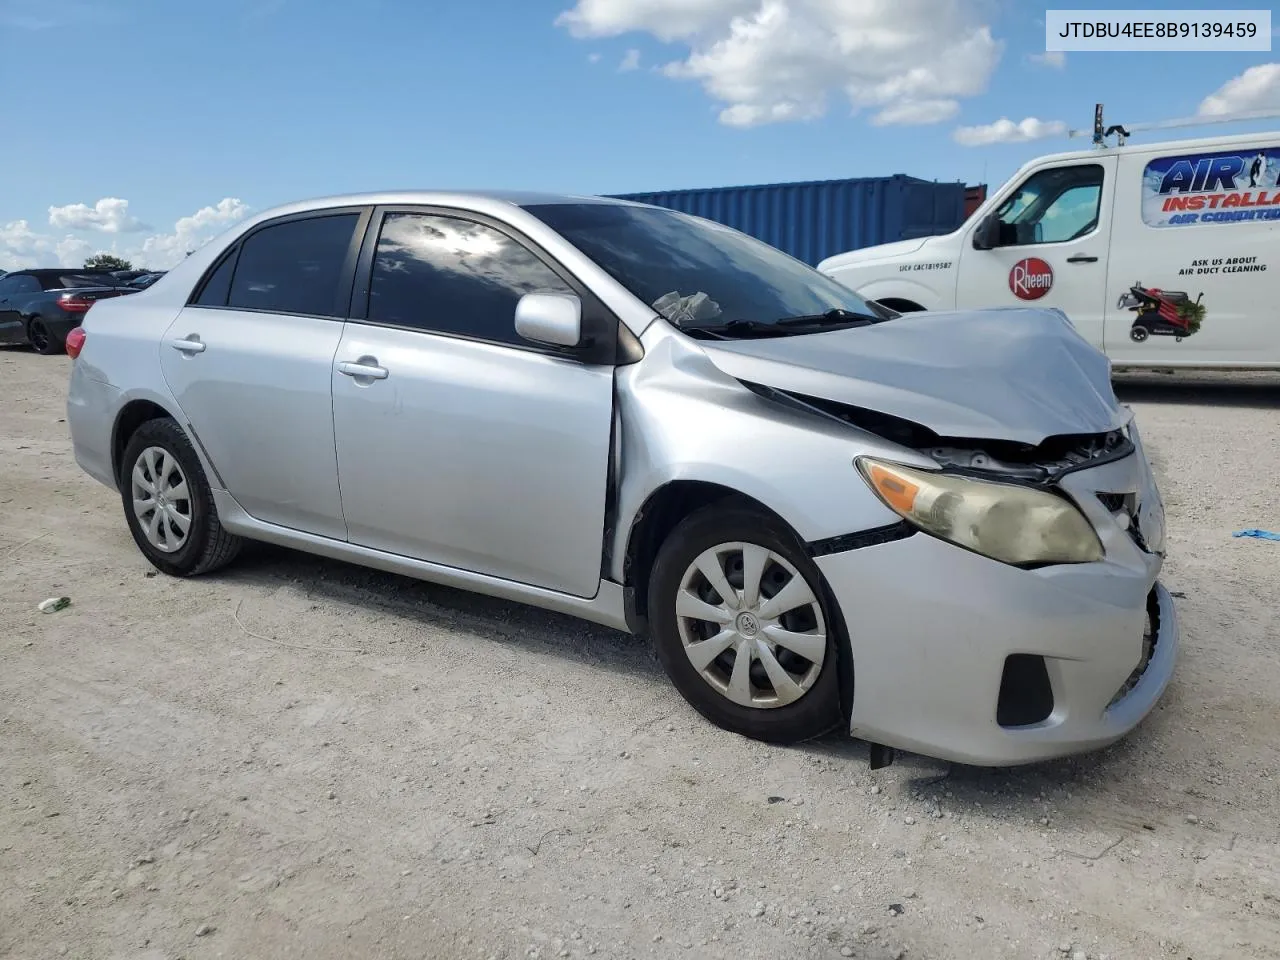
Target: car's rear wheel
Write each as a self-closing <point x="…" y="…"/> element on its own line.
<point x="168" y="503"/>
<point x="744" y="626"/>
<point x="41" y="340"/>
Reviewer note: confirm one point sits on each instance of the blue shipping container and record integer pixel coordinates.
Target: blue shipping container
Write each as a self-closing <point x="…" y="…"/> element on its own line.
<point x="817" y="219"/>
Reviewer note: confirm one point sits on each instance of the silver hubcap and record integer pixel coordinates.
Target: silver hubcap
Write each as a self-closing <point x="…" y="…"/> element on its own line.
<point x="160" y="499"/>
<point x="751" y="625"/>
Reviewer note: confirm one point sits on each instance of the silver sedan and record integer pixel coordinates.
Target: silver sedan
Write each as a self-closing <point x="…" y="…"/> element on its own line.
<point x="938" y="532"/>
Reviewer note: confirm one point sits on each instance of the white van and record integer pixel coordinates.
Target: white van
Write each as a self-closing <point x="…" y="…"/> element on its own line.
<point x="1163" y="255"/>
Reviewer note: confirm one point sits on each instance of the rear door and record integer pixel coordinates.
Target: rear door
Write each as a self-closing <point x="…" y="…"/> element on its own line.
<point x="250" y="361"/>
<point x="467" y="445"/>
<point x="1055" y="236"/>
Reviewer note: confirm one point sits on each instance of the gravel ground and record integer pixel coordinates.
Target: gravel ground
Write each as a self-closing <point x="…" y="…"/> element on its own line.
<point x="302" y="758"/>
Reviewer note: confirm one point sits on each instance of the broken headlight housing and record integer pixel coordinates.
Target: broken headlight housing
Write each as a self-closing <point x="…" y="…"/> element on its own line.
<point x="1014" y="524"/>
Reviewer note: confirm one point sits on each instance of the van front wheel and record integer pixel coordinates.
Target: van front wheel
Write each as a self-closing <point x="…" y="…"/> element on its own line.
<point x="744" y="626"/>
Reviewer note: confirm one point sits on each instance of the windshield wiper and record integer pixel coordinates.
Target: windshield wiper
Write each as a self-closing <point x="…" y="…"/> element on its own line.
<point x="830" y="318"/>
<point x="725" y="330"/>
<point x="780" y="328"/>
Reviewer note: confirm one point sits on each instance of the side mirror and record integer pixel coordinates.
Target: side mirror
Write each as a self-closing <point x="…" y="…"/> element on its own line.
<point x="550" y="318"/>
<point x="987" y="235"/>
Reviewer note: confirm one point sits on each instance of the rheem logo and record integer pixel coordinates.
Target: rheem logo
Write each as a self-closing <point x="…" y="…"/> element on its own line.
<point x="1030" y="278"/>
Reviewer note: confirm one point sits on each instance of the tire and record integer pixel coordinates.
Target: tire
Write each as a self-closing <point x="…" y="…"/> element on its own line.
<point x="205" y="546"/>
<point x="1139" y="334"/>
<point x="42" y="341"/>
<point x="729" y="532"/>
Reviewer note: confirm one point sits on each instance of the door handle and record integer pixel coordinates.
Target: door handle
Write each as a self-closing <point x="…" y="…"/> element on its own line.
<point x="1082" y="258"/>
<point x="366" y="368"/>
<point x="188" y="345"/>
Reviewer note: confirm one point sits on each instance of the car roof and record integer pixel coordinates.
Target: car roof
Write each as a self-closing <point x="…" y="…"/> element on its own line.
<point x="57" y="272"/>
<point x="519" y="198"/>
<point x="1201" y="144"/>
<point x="475" y="200"/>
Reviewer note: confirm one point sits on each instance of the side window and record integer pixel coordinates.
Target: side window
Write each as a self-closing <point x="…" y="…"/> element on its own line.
<point x="1052" y="206"/>
<point x="294" y="267"/>
<point x="8" y="286"/>
<point x="218" y="287"/>
<point x="453" y="276"/>
<point x="28" y="284"/>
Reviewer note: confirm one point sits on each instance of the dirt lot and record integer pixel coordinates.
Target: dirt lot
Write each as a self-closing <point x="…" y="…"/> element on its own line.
<point x="303" y="758"/>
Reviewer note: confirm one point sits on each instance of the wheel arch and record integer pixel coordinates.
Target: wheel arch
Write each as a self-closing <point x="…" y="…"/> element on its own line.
<point x="889" y="291"/>
<point x="900" y="304"/>
<point x="661" y="513"/>
<point x="133" y="414"/>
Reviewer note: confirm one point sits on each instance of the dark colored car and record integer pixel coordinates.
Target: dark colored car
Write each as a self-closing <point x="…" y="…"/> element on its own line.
<point x="146" y="279"/>
<point x="41" y="307"/>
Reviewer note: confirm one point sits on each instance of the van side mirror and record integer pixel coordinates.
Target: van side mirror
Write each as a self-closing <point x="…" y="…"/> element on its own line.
<point x="987" y="235"/>
<point x="551" y="318"/>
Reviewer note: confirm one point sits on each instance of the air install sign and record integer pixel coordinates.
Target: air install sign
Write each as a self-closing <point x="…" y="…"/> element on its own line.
<point x="1196" y="188"/>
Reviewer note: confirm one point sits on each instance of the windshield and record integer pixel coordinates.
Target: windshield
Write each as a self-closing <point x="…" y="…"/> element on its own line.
<point x="694" y="272"/>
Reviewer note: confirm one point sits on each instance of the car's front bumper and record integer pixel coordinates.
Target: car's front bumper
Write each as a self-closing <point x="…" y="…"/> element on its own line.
<point x="931" y="627"/>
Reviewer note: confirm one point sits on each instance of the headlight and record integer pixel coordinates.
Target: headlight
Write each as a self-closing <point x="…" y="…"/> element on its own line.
<point x="1013" y="524"/>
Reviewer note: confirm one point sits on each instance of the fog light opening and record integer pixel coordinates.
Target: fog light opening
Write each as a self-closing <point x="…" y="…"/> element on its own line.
<point x="1026" y="696"/>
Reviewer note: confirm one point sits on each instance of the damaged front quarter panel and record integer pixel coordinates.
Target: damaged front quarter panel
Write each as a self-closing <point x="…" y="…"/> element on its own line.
<point x="685" y="420"/>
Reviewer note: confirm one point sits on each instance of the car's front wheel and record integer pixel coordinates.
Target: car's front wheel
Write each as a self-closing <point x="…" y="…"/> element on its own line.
<point x="744" y="627"/>
<point x="168" y="503"/>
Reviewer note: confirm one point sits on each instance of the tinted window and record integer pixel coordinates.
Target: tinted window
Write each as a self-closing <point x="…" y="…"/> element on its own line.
<point x="24" y="283"/>
<point x="1052" y="206"/>
<point x="294" y="267"/>
<point x="71" y="280"/>
<point x="668" y="259"/>
<point x="218" y="286"/>
<point x="453" y="276"/>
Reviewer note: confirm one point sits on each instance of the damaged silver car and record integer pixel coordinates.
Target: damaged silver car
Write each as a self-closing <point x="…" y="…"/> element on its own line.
<point x="938" y="532"/>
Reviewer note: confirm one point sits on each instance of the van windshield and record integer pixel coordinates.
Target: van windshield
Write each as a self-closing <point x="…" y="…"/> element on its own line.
<point x="703" y="276"/>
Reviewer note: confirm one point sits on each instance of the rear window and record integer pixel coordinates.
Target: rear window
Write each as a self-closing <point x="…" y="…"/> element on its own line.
<point x="294" y="267"/>
<point x="68" y="281"/>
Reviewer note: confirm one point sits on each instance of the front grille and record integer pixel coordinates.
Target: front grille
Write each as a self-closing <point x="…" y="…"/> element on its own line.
<point x="1150" y="633"/>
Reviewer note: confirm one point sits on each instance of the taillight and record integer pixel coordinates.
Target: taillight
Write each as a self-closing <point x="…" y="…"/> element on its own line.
<point x="75" y="304"/>
<point x="75" y="342"/>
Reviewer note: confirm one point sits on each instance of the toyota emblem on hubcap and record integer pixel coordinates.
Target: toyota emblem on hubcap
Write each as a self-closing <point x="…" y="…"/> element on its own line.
<point x="748" y="625"/>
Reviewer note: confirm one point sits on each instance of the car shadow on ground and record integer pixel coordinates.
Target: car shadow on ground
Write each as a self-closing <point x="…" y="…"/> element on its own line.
<point x="487" y="619"/>
<point x="1260" y="391"/>
<point x="533" y="630"/>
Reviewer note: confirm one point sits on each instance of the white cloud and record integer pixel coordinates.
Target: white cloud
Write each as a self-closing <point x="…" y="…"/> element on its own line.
<point x="1050" y="58"/>
<point x="593" y="58"/>
<point x="72" y="251"/>
<point x="110" y="215"/>
<point x="666" y="19"/>
<point x="190" y="233"/>
<point x="1005" y="130"/>
<point x="1258" y="88"/>
<point x="21" y="246"/>
<point x="630" y="62"/>
<point x="768" y="61"/>
<point x="916" y="111"/>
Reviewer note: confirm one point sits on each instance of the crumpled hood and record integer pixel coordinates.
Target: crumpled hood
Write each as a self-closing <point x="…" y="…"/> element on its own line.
<point x="1003" y="374"/>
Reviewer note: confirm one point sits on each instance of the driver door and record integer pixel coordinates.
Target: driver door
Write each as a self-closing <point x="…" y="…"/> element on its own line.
<point x="1051" y="246"/>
